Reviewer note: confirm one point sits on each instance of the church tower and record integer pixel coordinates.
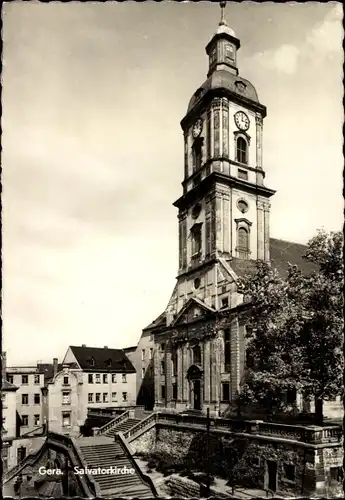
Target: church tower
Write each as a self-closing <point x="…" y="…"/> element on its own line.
<point x="223" y="212"/>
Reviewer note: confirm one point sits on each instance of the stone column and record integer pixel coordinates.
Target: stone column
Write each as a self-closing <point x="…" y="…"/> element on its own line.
<point x="207" y="372"/>
<point x="267" y="231"/>
<point x="168" y="367"/>
<point x="235" y="357"/>
<point x="260" y="230"/>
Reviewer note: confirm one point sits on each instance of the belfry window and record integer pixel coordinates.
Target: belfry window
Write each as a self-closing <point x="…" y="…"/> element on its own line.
<point x="241" y="150"/>
<point x="197" y="153"/>
<point x="196" y="239"/>
<point x="243" y="239"/>
<point x="197" y="355"/>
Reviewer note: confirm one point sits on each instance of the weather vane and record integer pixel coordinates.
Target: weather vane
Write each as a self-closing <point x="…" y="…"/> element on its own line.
<point x="222" y="7"/>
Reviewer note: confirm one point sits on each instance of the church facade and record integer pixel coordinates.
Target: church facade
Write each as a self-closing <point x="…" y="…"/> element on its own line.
<point x="192" y="357"/>
<point x="223" y="216"/>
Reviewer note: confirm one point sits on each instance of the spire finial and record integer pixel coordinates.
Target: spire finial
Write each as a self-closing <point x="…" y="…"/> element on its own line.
<point x="222" y="7"/>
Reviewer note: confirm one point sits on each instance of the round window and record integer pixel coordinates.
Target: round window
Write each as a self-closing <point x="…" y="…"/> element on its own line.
<point x="196" y="211"/>
<point x="242" y="205"/>
<point x="196" y="283"/>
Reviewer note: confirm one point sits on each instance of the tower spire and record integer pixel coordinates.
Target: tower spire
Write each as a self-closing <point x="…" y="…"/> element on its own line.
<point x="222" y="16"/>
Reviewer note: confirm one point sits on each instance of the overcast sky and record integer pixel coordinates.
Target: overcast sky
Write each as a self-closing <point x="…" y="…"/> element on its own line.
<point x="93" y="152"/>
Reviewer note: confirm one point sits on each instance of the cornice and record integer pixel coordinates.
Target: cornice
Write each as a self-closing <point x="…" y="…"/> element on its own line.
<point x="260" y="109"/>
<point x="206" y="184"/>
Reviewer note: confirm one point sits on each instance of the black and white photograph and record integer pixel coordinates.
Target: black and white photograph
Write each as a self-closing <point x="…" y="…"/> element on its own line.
<point x="172" y="250"/>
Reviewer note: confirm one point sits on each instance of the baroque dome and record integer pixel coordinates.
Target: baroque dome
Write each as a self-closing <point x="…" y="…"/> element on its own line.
<point x="226" y="80"/>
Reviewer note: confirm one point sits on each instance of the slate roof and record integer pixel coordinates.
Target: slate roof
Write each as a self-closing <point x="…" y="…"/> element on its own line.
<point x="7" y="386"/>
<point x="160" y="321"/>
<point x="102" y="357"/>
<point x="282" y="254"/>
<point x="48" y="370"/>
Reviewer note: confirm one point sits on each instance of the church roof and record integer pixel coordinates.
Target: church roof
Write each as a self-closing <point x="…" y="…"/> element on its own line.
<point x="101" y="359"/>
<point x="160" y="321"/>
<point x="222" y="79"/>
<point x="282" y="253"/>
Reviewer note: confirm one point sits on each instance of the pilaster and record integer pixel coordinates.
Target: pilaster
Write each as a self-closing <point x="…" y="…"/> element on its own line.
<point x="267" y="230"/>
<point x="168" y="367"/>
<point x="207" y="371"/>
<point x="185" y="368"/>
<point x="235" y="356"/>
<point x="260" y="230"/>
<point x="180" y="374"/>
<point x="157" y="375"/>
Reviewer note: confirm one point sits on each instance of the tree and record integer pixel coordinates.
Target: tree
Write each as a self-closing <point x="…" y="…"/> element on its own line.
<point x="295" y="339"/>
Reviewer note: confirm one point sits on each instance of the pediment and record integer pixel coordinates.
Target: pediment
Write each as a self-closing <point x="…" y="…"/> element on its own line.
<point x="193" y="310"/>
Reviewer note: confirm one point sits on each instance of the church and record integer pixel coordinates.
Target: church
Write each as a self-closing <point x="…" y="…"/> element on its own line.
<point x="192" y="357"/>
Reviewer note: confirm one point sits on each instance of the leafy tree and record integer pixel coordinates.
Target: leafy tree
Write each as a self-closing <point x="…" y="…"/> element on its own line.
<point x="296" y="335"/>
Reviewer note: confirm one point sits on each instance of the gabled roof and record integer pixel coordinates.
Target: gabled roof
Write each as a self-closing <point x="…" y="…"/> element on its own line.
<point x="282" y="253"/>
<point x="7" y="386"/>
<point x="98" y="359"/>
<point x="193" y="304"/>
<point x="160" y="321"/>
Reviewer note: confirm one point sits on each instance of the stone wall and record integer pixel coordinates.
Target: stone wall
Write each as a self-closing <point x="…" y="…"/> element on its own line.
<point x="299" y="469"/>
<point x="145" y="443"/>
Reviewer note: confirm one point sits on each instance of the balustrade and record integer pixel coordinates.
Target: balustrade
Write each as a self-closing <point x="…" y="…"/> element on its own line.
<point x="115" y="421"/>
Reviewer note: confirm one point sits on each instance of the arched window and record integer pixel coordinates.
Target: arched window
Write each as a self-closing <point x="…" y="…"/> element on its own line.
<point x="197" y="355"/>
<point x="241" y="150"/>
<point x="243" y="239"/>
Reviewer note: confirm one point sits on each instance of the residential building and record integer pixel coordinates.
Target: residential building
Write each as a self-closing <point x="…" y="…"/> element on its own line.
<point x="30" y="380"/>
<point x="90" y="377"/>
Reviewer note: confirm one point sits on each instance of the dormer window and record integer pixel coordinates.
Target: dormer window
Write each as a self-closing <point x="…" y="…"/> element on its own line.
<point x="91" y="361"/>
<point x="241" y="150"/>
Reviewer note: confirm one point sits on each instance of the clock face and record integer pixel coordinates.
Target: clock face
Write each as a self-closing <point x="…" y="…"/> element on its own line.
<point x="197" y="128"/>
<point x="241" y="120"/>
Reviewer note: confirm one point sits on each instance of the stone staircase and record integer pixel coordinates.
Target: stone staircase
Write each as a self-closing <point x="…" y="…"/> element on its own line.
<point x="106" y="453"/>
<point x="122" y="426"/>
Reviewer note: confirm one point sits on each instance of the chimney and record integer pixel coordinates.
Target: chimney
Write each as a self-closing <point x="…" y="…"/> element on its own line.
<point x="83" y="345"/>
<point x="55" y="366"/>
<point x="105" y="347"/>
<point x="3" y="365"/>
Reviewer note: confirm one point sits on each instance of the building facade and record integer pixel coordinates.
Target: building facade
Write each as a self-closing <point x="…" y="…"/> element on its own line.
<point x="90" y="378"/>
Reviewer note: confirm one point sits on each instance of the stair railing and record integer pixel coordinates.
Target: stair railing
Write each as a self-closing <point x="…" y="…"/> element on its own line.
<point x="29" y="460"/>
<point x="90" y="487"/>
<point x="115" y="421"/>
<point x="143" y="424"/>
<point x="119" y="437"/>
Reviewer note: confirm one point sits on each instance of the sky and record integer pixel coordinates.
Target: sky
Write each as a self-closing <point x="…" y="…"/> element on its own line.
<point x="93" y="95"/>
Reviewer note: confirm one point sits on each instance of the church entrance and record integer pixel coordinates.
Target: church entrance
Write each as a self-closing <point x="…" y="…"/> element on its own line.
<point x="195" y="377"/>
<point x="197" y="395"/>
